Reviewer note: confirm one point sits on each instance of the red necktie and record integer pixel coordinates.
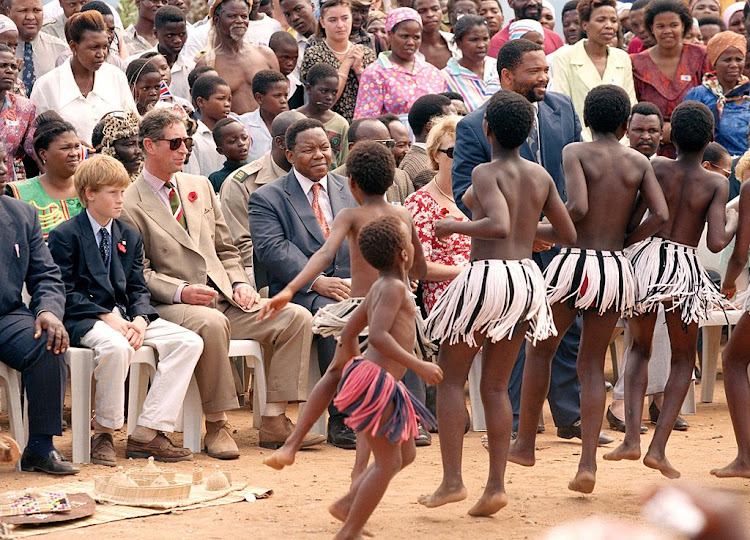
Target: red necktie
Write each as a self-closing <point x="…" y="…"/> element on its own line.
<point x="318" y="210"/>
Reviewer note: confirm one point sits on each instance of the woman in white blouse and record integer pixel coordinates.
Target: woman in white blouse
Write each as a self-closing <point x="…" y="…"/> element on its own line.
<point x="84" y="88"/>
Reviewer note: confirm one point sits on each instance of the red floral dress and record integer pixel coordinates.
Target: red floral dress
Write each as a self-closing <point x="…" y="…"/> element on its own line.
<point x="455" y="251"/>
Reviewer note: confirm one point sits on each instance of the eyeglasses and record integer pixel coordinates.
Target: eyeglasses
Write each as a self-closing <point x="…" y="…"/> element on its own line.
<point x="174" y="144"/>
<point x="725" y="172"/>
<point x="388" y="143"/>
<point x="447" y="151"/>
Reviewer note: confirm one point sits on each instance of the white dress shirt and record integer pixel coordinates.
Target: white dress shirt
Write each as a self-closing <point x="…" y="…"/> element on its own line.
<point x="261" y="139"/>
<point x="204" y="151"/>
<point x="325" y="203"/>
<point x="58" y="91"/>
<point x="97" y="228"/>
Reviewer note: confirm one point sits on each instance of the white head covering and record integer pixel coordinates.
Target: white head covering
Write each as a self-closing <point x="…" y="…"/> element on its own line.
<point x="7" y="25"/>
<point x="521" y="27"/>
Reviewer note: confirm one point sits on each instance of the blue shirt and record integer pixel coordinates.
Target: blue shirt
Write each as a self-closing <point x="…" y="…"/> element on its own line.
<point x="731" y="128"/>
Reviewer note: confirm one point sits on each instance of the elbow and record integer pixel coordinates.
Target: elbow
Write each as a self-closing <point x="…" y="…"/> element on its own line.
<point x="570" y="237"/>
<point x="715" y="246"/>
<point x="577" y="211"/>
<point x="500" y="231"/>
<point x="661" y="216"/>
<point x="377" y="340"/>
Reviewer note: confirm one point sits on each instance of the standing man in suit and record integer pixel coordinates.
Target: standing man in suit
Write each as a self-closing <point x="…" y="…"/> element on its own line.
<point x="109" y="311"/>
<point x="197" y="280"/>
<point x="290" y="220"/>
<point x="33" y="339"/>
<point x="523" y="69"/>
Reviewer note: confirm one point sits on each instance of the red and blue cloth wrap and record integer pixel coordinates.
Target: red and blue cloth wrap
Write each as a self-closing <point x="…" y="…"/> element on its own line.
<point x="365" y="392"/>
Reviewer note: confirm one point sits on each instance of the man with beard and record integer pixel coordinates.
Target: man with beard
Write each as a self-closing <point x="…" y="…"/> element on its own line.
<point x="525" y="9"/>
<point x="522" y="67"/>
<point x="643" y="38"/>
<point x="234" y="59"/>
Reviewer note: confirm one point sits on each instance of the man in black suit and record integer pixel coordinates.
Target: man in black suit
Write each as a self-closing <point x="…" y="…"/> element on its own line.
<point x="109" y="311"/>
<point x="33" y="340"/>
<point x="522" y="67"/>
<point x="290" y="219"/>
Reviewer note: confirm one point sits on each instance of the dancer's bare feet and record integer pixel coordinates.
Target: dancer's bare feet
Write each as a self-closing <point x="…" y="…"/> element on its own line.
<point x="623" y="452"/>
<point x="661" y="464"/>
<point x="739" y="468"/>
<point x="444" y="495"/>
<point x="521" y="455"/>
<point x="340" y="510"/>
<point x="583" y="482"/>
<point x="489" y="504"/>
<point x="280" y="458"/>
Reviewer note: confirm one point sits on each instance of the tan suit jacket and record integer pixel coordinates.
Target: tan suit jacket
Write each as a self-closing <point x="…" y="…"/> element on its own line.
<point x="174" y="256"/>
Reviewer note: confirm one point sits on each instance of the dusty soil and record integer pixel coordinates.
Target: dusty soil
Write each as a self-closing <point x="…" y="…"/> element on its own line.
<point x="539" y="497"/>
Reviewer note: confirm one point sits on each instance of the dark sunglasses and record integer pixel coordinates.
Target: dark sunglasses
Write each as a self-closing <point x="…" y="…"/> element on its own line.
<point x="447" y="151"/>
<point x="388" y="143"/>
<point x="174" y="144"/>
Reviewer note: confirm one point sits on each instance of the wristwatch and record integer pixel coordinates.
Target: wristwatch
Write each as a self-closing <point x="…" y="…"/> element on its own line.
<point x="145" y="318"/>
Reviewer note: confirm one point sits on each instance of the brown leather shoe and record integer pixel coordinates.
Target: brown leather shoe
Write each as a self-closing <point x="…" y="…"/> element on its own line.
<point x="274" y="431"/>
<point x="103" y="450"/>
<point x="160" y="447"/>
<point x="218" y="441"/>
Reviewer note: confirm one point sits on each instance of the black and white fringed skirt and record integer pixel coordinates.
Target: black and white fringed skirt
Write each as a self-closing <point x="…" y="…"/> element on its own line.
<point x="666" y="270"/>
<point x="331" y="319"/>
<point x="491" y="297"/>
<point x="591" y="279"/>
<point x="743" y="300"/>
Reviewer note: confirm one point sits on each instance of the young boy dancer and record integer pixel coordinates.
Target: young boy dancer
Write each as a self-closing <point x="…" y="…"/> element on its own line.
<point x="371" y="168"/>
<point x="603" y="179"/>
<point x="498" y="299"/>
<point x="668" y="270"/>
<point x="378" y="405"/>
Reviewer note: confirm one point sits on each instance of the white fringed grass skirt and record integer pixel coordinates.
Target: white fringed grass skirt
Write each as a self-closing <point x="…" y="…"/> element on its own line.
<point x="331" y="319"/>
<point x="743" y="300"/>
<point x="492" y="297"/>
<point x="666" y="270"/>
<point x="591" y="279"/>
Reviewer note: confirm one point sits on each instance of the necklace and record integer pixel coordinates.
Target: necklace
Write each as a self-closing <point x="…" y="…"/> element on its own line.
<point x="348" y="46"/>
<point x="444" y="194"/>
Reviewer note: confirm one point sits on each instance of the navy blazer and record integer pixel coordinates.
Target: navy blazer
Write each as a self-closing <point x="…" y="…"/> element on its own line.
<point x="89" y="290"/>
<point x="558" y="126"/>
<point x="286" y="234"/>
<point x="24" y="257"/>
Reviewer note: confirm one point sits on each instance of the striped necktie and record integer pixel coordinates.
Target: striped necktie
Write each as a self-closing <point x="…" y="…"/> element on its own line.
<point x="176" y="205"/>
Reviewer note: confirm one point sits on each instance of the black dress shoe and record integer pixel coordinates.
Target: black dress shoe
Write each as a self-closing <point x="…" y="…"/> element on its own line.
<point x="617" y="424"/>
<point x="340" y="435"/>
<point x="574" y="432"/>
<point x="51" y="463"/>
<point x="424" y="438"/>
<point x="653" y="412"/>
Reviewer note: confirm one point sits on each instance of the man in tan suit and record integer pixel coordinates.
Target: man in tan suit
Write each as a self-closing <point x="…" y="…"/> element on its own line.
<point x="197" y="280"/>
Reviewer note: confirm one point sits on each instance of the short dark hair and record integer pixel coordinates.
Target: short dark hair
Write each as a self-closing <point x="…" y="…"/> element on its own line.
<point x="425" y="109"/>
<point x="216" y="132"/>
<point x="49" y="126"/>
<point x="85" y="21"/>
<point x="386" y="118"/>
<point x="380" y="241"/>
<point x="206" y="86"/>
<point x="371" y="166"/>
<point x="510" y="118"/>
<point x="657" y="7"/>
<point x="319" y="72"/>
<point x="511" y="54"/>
<point x="139" y="67"/>
<point x="586" y="7"/>
<point x="714" y="152"/>
<point x="646" y="108"/>
<point x="466" y="23"/>
<point x="606" y="108"/>
<point x="281" y="38"/>
<point x="452" y="95"/>
<point x="300" y="126"/>
<point x="154" y="122"/>
<point x="168" y="14"/>
<point x="265" y="79"/>
<point x="570" y="5"/>
<point x="639" y="4"/>
<point x="97" y="5"/>
<point x="692" y="126"/>
<point x="714" y="20"/>
<point x="196" y="73"/>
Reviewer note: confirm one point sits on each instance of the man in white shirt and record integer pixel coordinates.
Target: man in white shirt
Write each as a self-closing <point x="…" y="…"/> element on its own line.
<point x="38" y="50"/>
<point x="140" y="37"/>
<point x="300" y="16"/>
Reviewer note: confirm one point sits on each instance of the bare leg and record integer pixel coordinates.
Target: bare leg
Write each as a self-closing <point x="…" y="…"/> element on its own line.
<point x="362" y="457"/>
<point x="737" y="387"/>
<point x="455" y="361"/>
<point x="684" y="341"/>
<point x="636" y="381"/>
<point x="498" y="364"/>
<point x="597" y="330"/>
<point x="535" y="386"/>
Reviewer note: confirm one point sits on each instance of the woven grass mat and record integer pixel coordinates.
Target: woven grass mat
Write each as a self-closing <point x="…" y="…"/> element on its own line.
<point x="106" y="513"/>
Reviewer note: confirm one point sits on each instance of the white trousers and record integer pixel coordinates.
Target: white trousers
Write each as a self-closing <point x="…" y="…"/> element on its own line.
<point x="177" y="351"/>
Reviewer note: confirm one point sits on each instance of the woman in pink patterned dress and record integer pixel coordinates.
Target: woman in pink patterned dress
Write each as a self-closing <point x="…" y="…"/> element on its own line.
<point x="434" y="202"/>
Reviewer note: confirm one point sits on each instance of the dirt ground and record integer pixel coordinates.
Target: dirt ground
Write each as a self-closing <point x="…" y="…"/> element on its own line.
<point x="539" y="498"/>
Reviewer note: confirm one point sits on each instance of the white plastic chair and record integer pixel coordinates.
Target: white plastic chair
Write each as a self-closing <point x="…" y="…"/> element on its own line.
<point x="11" y="386"/>
<point x="81" y="365"/>
<point x="478" y="423"/>
<point x="252" y="352"/>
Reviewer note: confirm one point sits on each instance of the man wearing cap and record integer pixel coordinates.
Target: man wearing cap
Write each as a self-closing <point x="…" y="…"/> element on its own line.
<point x="358" y="36"/>
<point x="525" y="9"/>
<point x="234" y="59"/>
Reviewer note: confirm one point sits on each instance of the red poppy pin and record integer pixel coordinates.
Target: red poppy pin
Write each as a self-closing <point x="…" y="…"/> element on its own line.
<point x="121" y="247"/>
<point x="192" y="196"/>
<point x="444" y="212"/>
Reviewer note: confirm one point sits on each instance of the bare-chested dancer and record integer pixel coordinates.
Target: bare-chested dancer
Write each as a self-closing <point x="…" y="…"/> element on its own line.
<point x="668" y="270"/>
<point x="603" y="180"/>
<point x="235" y="59"/>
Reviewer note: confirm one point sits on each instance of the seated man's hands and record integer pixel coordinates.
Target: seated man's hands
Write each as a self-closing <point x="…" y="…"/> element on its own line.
<point x="198" y="295"/>
<point x="245" y="296"/>
<point x="57" y="337"/>
<point x="136" y="332"/>
<point x="332" y="287"/>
